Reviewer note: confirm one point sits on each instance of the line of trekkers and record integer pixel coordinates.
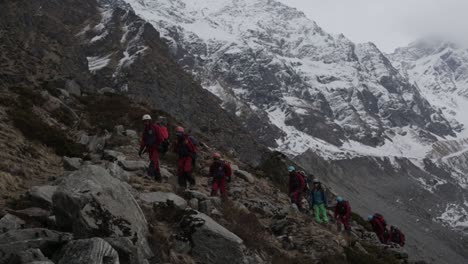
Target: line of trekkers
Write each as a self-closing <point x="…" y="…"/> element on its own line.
<point x="299" y="188"/>
<point x="155" y="141"/>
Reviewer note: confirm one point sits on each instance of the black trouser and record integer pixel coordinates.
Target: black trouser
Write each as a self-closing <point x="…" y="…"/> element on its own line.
<point x="185" y="177"/>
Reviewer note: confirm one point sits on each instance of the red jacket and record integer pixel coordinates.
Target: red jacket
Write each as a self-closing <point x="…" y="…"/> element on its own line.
<point x="296" y="182"/>
<point x="215" y="168"/>
<point x="151" y="132"/>
<point x="343" y="209"/>
<point x="380" y="229"/>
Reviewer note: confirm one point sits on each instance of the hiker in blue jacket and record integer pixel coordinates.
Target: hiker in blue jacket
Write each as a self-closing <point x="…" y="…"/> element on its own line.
<point x="318" y="202"/>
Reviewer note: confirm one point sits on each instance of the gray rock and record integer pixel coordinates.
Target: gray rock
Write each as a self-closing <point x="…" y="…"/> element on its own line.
<point x="106" y="90"/>
<point x="245" y="176"/>
<point x="31" y="256"/>
<point x="91" y="202"/>
<point x="42" y="194"/>
<point x="72" y="163"/>
<point x="34" y="214"/>
<point x="131" y="134"/>
<point x="163" y="197"/>
<point x="193" y="203"/>
<point x="196" y="194"/>
<point x="165" y="173"/>
<point x="73" y="87"/>
<point x="117" y="172"/>
<point x="14" y="242"/>
<point x="205" y="206"/>
<point x="120" y="130"/>
<point x="126" y="250"/>
<point x="97" y="143"/>
<point x="112" y="155"/>
<point x="216" y="201"/>
<point x="133" y="165"/>
<point x="89" y="251"/>
<point x="182" y="246"/>
<point x="211" y="242"/>
<point x="83" y="138"/>
<point x="10" y="222"/>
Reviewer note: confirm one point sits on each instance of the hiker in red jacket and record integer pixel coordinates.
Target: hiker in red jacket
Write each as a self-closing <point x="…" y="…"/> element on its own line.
<point x="221" y="173"/>
<point x="186" y="151"/>
<point x="296" y="186"/>
<point x="343" y="213"/>
<point x="150" y="141"/>
<point x="379" y="226"/>
<point x="396" y="236"/>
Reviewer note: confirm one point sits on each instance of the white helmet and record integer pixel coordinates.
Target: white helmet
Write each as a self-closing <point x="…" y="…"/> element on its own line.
<point x="146" y="117"/>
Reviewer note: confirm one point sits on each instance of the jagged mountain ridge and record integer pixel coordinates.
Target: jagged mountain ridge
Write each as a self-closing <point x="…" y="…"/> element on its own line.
<point x="265" y="59"/>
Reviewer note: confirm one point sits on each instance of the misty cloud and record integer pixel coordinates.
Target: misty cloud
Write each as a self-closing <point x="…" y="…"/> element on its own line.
<point x="390" y="24"/>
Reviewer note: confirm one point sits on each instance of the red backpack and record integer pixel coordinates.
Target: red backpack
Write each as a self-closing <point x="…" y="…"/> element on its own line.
<point x="380" y="218"/>
<point x="304" y="178"/>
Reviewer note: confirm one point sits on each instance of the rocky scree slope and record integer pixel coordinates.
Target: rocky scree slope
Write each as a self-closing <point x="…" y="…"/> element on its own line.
<point x="101" y="209"/>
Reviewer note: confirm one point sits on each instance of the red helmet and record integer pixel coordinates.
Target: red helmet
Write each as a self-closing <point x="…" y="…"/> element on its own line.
<point x="216" y="155"/>
<point x="179" y="129"/>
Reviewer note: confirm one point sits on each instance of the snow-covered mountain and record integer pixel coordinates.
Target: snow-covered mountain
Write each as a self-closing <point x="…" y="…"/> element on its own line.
<point x="371" y="130"/>
<point x="270" y="62"/>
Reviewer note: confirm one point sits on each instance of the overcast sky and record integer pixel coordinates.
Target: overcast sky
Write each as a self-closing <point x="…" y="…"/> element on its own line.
<point x="388" y="23"/>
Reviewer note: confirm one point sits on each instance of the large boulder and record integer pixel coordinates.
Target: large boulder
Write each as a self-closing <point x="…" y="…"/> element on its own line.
<point x="14" y="242"/>
<point x="42" y="195"/>
<point x="89" y="251"/>
<point x="211" y="242"/>
<point x="117" y="172"/>
<point x="93" y="203"/>
<point x="163" y="197"/>
<point x="10" y="222"/>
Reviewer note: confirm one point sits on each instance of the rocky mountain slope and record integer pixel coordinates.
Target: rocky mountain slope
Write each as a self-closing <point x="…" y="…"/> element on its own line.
<point x="72" y="185"/>
<point x="343" y="110"/>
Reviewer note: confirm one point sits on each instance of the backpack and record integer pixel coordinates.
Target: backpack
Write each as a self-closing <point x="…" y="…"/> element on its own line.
<point x="342" y="208"/>
<point x="304" y="178"/>
<point x="220" y="171"/>
<point x="150" y="137"/>
<point x="381" y="219"/>
<point x="398" y="237"/>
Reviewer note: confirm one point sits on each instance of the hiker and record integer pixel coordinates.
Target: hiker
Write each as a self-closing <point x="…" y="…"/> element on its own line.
<point x="150" y="142"/>
<point x="343" y="213"/>
<point x="186" y="150"/>
<point x="164" y="146"/>
<point x="379" y="226"/>
<point x="318" y="202"/>
<point x="396" y="236"/>
<point x="296" y="187"/>
<point x="220" y="172"/>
